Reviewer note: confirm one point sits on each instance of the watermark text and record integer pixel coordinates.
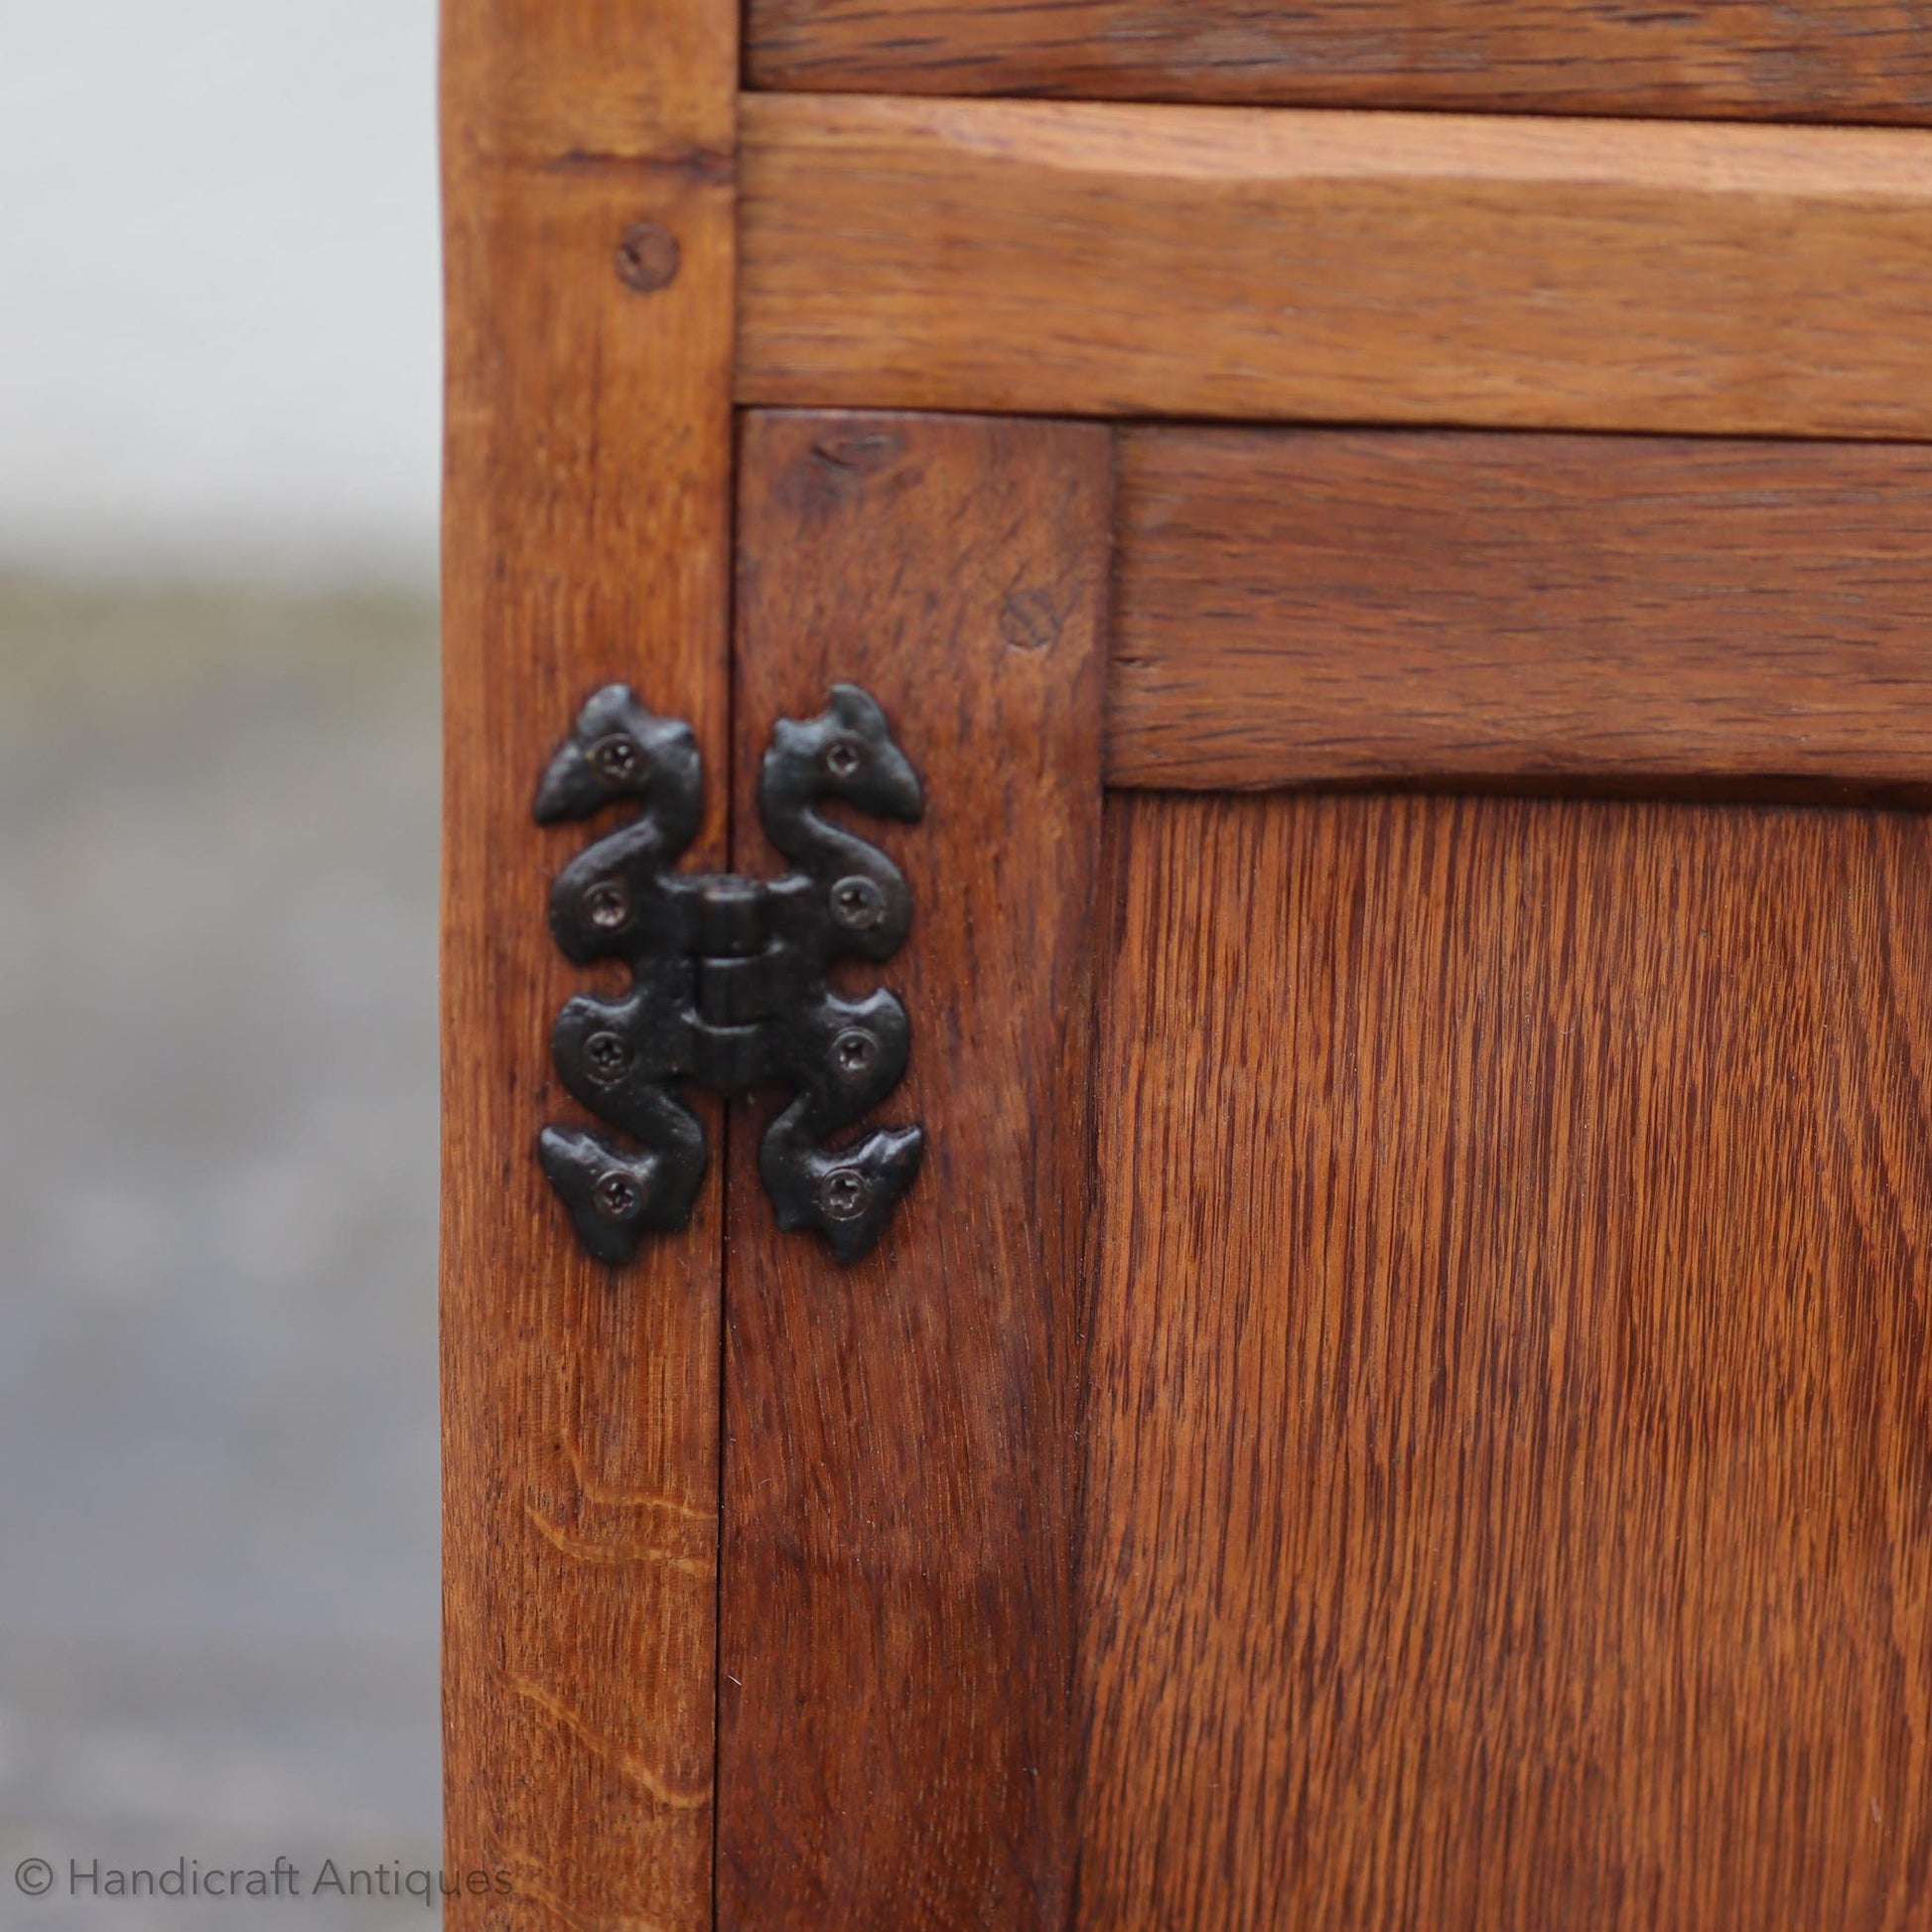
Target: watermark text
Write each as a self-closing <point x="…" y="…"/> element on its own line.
<point x="190" y="1879"/>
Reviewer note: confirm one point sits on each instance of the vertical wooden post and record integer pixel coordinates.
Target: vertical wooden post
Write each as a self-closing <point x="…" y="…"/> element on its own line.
<point x="895" y="1746"/>
<point x="588" y="155"/>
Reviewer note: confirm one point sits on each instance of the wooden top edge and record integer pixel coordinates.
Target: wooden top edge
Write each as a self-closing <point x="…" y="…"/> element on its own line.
<point x="1843" y="62"/>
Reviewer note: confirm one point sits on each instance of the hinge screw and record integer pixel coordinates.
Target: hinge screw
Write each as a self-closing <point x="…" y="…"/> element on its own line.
<point x="855" y="1051"/>
<point x="856" y="904"/>
<point x="618" y="757"/>
<point x="608" y="904"/>
<point x="843" y="759"/>
<point x="607" y="1058"/>
<point x="843" y="1195"/>
<point x="619" y="1197"/>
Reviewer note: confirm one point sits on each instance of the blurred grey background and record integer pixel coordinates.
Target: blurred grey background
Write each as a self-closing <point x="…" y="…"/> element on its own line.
<point x="218" y="422"/>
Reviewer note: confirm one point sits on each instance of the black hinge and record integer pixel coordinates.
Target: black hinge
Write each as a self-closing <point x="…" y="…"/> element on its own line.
<point x="729" y="975"/>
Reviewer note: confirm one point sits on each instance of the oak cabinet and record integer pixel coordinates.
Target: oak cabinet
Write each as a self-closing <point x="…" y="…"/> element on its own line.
<point x="1399" y="1393"/>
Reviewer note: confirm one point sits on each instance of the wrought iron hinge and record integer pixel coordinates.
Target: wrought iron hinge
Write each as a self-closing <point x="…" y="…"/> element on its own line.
<point x="729" y="975"/>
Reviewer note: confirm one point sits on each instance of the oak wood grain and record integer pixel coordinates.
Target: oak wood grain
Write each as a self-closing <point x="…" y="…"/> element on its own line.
<point x="1323" y="606"/>
<point x="897" y="1668"/>
<point x="1823" y="59"/>
<point x="1511" y="1449"/>
<point x="587" y="529"/>
<point x="1075" y="258"/>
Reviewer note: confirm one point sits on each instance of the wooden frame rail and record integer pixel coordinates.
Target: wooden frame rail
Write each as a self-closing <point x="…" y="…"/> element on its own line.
<point x="1059" y="258"/>
<point x="1297" y="608"/>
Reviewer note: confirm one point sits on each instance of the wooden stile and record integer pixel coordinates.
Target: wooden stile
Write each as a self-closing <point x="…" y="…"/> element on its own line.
<point x="587" y="538"/>
<point x="897" y="1743"/>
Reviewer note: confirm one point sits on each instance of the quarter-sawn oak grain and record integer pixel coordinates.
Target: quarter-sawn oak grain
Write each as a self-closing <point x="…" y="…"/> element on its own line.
<point x="1299" y="608"/>
<point x="895" y="1751"/>
<point x="1821" y="61"/>
<point x="587" y="538"/>
<point x="1074" y="258"/>
<point x="1510" y="1494"/>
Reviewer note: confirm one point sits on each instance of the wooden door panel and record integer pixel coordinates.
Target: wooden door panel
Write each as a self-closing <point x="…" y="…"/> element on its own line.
<point x="1510" y="1468"/>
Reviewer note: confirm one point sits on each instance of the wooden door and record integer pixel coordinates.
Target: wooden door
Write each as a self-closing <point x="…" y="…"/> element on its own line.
<point x="1399" y="1396"/>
